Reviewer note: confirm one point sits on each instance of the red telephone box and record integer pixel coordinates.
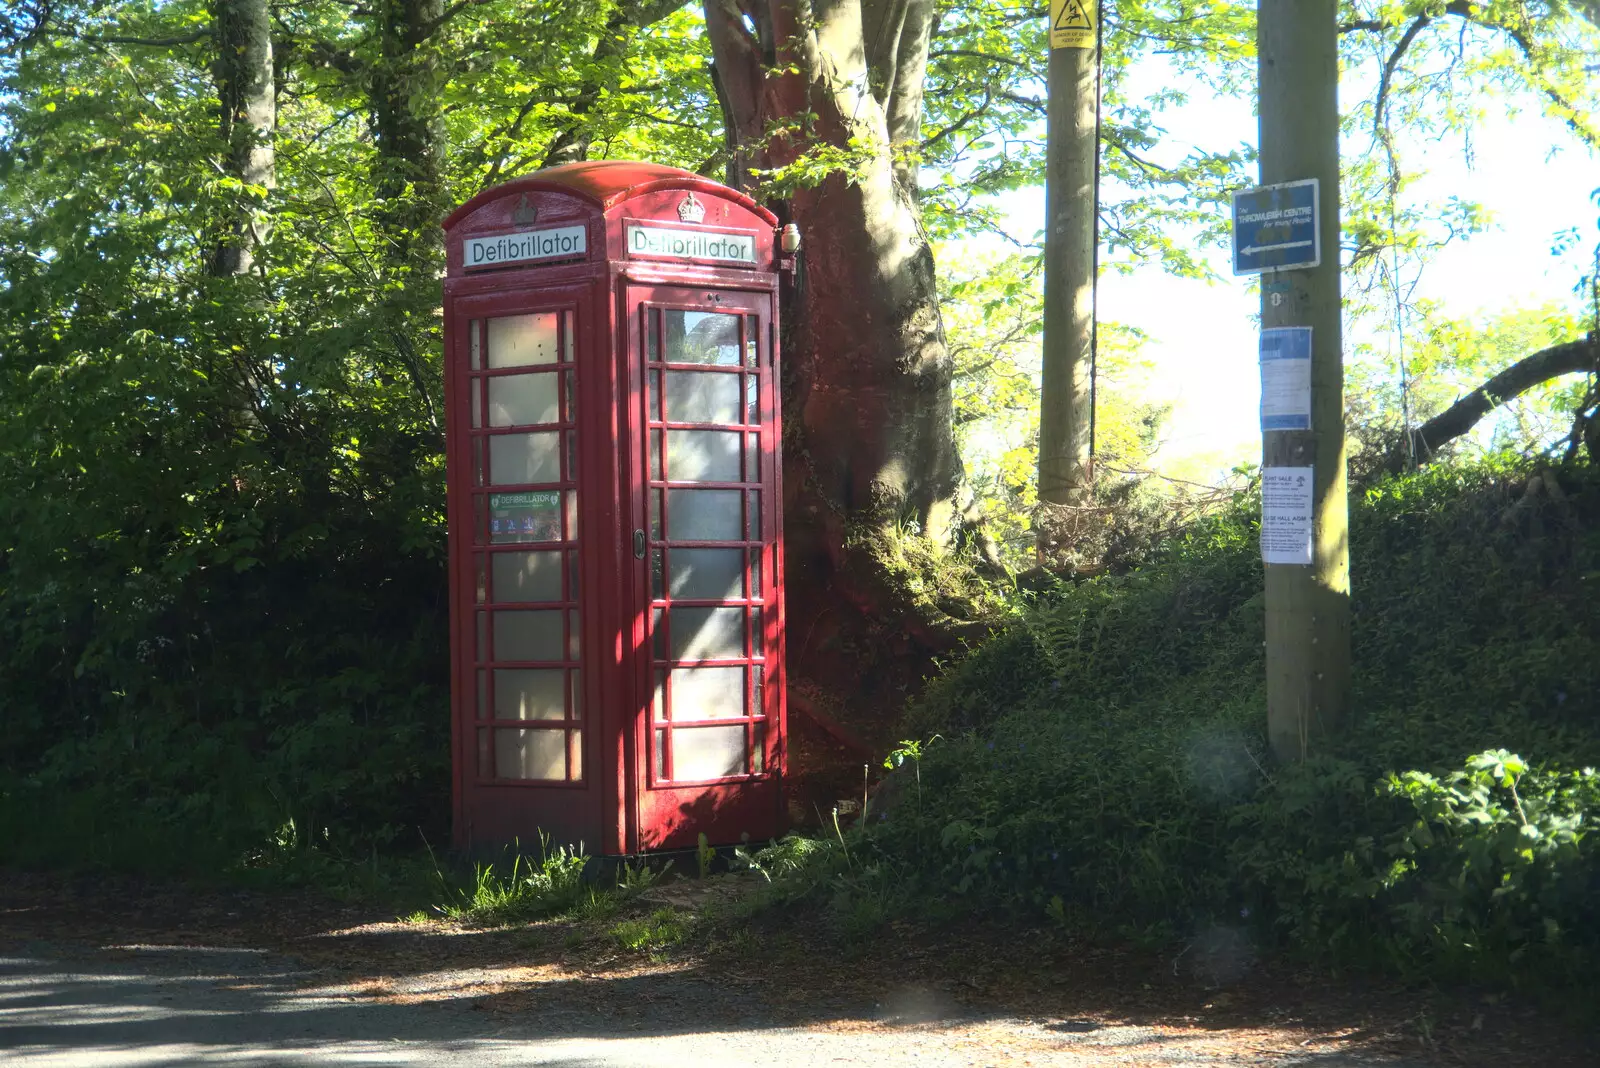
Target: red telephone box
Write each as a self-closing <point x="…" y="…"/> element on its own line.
<point x="616" y="568"/>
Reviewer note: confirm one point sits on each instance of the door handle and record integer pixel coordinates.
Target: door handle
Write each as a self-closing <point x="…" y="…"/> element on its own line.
<point x="638" y="544"/>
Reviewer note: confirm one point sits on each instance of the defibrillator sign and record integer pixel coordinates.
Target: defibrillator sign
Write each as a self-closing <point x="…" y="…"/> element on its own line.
<point x="1072" y="23"/>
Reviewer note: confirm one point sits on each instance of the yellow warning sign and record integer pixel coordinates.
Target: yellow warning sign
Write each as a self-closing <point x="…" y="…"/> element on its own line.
<point x="1072" y="23"/>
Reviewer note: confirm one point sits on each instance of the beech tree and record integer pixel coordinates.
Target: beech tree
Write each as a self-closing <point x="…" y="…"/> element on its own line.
<point x="825" y="97"/>
<point x="248" y="108"/>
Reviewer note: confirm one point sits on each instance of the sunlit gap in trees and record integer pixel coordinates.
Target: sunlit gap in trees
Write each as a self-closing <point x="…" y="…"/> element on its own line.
<point x="1491" y="266"/>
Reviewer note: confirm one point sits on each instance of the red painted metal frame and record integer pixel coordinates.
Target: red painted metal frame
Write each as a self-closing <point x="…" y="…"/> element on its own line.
<point x="616" y="807"/>
<point x="673" y="814"/>
<point x="581" y="802"/>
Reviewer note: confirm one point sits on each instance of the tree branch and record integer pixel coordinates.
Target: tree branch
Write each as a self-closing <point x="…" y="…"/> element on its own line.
<point x="987" y="57"/>
<point x="1389" y="66"/>
<point x="1464" y="10"/>
<point x="1567" y="358"/>
<point x="146" y="42"/>
<point x="571" y="143"/>
<point x="737" y="75"/>
<point x="428" y="29"/>
<point x="1459" y="8"/>
<point x="1569" y="112"/>
<point x="1154" y="170"/>
<point x="956" y="127"/>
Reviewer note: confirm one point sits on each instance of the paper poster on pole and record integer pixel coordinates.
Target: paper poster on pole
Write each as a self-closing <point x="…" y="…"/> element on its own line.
<point x="1286" y="506"/>
<point x="1072" y="23"/>
<point x="1286" y="378"/>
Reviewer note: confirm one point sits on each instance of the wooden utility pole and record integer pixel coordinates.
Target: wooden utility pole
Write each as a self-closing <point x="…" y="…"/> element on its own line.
<point x="1308" y="605"/>
<point x="1070" y="207"/>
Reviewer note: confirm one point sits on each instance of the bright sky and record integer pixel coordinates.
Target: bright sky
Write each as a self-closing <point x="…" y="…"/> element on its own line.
<point x="1203" y="335"/>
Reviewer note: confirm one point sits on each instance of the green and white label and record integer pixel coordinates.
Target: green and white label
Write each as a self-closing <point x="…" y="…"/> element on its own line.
<point x="674" y="243"/>
<point x="531" y="516"/>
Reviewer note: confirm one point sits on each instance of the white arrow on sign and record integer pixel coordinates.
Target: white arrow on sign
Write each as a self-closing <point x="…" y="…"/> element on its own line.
<point x="1250" y="250"/>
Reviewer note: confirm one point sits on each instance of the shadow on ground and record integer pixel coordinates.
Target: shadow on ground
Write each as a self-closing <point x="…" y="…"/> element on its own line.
<point x="181" y="1005"/>
<point x="138" y="975"/>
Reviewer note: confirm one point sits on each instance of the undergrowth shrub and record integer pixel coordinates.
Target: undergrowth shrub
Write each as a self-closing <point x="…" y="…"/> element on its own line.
<point x="222" y="632"/>
<point x="1104" y="759"/>
<point x="1500" y="861"/>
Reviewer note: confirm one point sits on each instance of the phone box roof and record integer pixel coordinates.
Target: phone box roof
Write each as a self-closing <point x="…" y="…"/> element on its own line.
<point x="607" y="183"/>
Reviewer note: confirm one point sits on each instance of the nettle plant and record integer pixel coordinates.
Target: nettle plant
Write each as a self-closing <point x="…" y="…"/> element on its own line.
<point x="1505" y="853"/>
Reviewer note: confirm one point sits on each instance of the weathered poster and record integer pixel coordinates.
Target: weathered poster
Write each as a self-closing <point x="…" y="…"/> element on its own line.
<point x="1286" y="378"/>
<point x="1286" y="510"/>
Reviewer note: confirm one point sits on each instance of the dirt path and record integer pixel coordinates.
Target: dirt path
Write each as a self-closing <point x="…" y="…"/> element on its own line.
<point x="122" y="974"/>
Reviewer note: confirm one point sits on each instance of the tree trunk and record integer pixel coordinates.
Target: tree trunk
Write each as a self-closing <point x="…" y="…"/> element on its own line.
<point x="247" y="117"/>
<point x="1567" y="358"/>
<point x="869" y="443"/>
<point x="408" y="185"/>
<point x="408" y="131"/>
<point x="867" y="372"/>
<point x="246" y="91"/>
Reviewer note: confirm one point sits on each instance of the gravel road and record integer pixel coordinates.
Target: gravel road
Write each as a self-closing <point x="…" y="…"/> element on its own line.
<point x="153" y="1006"/>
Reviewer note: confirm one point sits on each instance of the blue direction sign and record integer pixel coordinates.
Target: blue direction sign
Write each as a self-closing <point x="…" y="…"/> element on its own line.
<point x="1275" y="228"/>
